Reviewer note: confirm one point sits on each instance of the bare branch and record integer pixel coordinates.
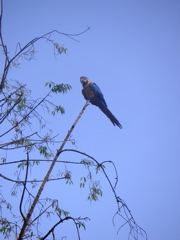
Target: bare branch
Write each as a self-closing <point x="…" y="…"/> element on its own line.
<point x="30" y="181"/>
<point x="29" y="44"/>
<point x="40" y="214"/>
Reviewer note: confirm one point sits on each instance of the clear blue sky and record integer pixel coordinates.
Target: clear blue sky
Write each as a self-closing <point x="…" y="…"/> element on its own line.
<point x="133" y="53"/>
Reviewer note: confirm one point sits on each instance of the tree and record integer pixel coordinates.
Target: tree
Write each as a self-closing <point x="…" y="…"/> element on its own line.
<point x="19" y="113"/>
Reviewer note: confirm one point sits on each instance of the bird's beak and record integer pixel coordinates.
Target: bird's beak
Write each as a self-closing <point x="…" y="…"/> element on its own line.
<point x="83" y="80"/>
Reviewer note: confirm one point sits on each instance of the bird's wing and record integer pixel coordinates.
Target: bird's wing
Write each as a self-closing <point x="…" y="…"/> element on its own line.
<point x="97" y="92"/>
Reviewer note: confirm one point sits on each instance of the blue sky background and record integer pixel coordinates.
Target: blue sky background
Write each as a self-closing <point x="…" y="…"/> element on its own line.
<point x="132" y="53"/>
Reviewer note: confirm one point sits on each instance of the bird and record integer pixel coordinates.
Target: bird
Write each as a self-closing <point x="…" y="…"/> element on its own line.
<point x="93" y="93"/>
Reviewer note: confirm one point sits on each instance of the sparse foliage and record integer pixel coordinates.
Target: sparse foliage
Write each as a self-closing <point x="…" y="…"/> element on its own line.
<point x="19" y="112"/>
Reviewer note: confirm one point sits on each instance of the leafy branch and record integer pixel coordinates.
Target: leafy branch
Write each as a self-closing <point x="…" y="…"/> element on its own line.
<point x="122" y="209"/>
<point x="29" y="214"/>
<point x="77" y="221"/>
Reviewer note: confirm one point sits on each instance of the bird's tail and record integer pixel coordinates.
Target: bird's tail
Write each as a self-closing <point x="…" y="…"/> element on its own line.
<point x="114" y="120"/>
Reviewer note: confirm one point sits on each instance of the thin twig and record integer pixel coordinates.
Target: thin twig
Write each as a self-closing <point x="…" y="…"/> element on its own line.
<point x="40" y="214"/>
<point x="30" y="181"/>
<point x="25" y="181"/>
<point x="26" y="115"/>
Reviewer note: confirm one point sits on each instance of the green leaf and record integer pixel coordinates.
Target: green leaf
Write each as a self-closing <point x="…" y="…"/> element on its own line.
<point x="3" y="159"/>
<point x="81" y="224"/>
<point x="49" y="84"/>
<point x="58" y="88"/>
<point x="65" y="213"/>
<point x="95" y="191"/>
<point x="43" y="151"/>
<point x="61" y="88"/>
<point x="87" y="162"/>
<point x="58" y="109"/>
<point x="60" y="48"/>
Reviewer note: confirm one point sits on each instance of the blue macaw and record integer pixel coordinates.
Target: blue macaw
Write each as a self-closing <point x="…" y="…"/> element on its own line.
<point x="93" y="93"/>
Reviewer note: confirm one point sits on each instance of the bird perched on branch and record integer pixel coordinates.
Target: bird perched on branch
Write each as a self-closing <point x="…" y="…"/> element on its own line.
<point x="93" y="93"/>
